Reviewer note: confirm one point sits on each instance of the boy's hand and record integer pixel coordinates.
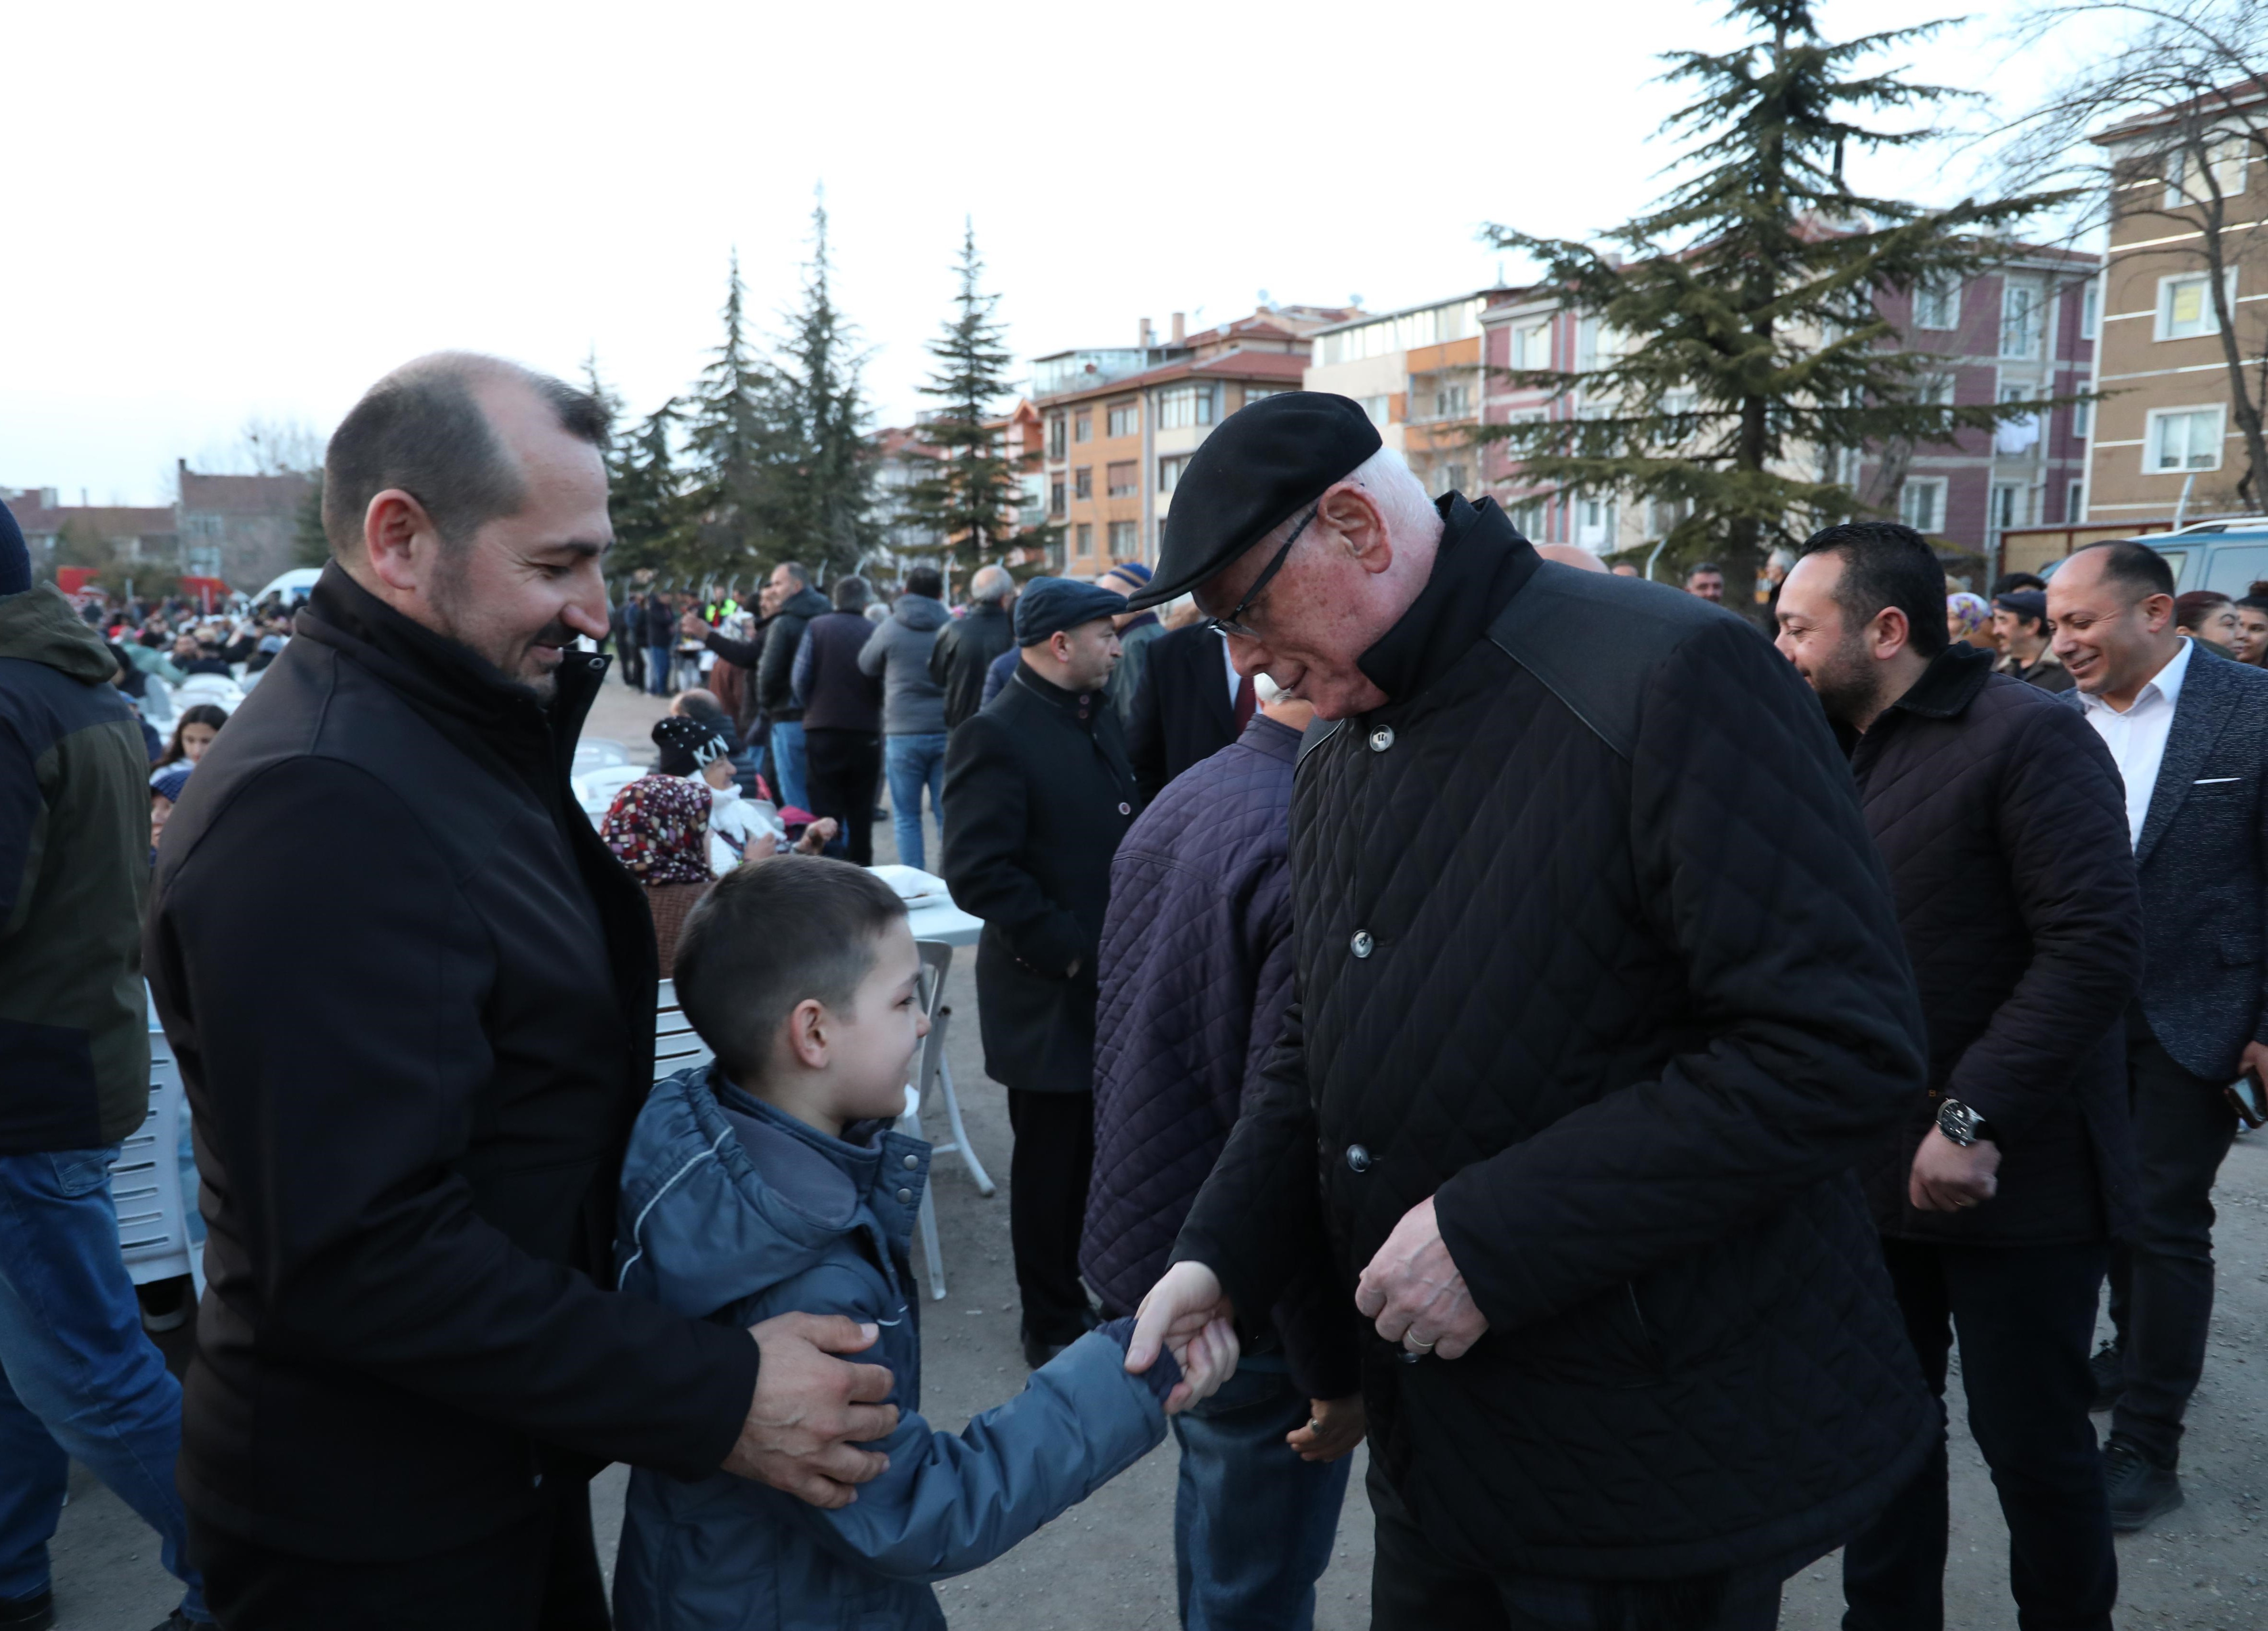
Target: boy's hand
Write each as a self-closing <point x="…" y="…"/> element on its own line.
<point x="810" y="1409"/>
<point x="1186" y="1300"/>
<point x="1335" y="1427"/>
<point x="1207" y="1360"/>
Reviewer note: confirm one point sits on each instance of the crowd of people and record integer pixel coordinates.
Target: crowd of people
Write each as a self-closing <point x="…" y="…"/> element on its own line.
<point x="1602" y="1055"/>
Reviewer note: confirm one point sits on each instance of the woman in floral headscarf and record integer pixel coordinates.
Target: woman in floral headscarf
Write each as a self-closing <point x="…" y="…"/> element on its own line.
<point x="1968" y="617"/>
<point x="659" y="828"/>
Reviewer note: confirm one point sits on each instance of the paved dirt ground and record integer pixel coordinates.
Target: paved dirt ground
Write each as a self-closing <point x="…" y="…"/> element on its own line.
<point x="1109" y="1564"/>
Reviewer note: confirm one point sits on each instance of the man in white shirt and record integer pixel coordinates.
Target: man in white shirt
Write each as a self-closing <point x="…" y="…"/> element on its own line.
<point x="2190" y="735"/>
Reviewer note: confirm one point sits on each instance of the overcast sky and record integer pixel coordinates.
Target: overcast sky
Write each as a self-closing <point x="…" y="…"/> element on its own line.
<point x="220" y="210"/>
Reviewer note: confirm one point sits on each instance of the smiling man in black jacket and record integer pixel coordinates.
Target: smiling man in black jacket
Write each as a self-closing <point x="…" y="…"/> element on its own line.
<point x="2003" y="822"/>
<point x="1599" y="999"/>
<point x="412" y="1105"/>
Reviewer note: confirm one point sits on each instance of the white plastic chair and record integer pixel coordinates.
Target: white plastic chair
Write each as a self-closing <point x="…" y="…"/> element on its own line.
<point x="596" y="790"/>
<point x="932" y="1082"/>
<point x="675" y="1043"/>
<point x="594" y="753"/>
<point x="149" y="1187"/>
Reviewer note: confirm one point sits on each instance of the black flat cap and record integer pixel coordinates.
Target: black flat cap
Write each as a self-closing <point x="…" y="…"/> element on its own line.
<point x="1050" y="604"/>
<point x="2027" y="603"/>
<point x="1261" y="464"/>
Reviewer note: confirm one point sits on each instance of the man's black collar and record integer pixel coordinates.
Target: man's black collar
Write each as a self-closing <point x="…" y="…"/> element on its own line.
<point x="1481" y="563"/>
<point x="1949" y="684"/>
<point x="1054" y="694"/>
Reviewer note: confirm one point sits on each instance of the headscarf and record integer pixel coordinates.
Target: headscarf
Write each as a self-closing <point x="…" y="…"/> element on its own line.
<point x="1966" y="613"/>
<point x="659" y="828"/>
<point x="686" y="743"/>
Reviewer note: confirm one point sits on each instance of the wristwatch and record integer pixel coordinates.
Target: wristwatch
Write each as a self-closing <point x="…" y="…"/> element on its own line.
<point x="1964" y="1126"/>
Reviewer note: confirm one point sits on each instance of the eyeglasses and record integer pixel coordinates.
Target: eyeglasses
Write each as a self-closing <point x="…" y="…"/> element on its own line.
<point x="1231" y="623"/>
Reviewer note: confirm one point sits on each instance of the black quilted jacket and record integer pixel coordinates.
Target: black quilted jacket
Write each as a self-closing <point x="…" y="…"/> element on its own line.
<point x="1621" y="989"/>
<point x="2003" y="821"/>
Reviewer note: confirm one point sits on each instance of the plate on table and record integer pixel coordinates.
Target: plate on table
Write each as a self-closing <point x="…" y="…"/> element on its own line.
<point x="913" y="885"/>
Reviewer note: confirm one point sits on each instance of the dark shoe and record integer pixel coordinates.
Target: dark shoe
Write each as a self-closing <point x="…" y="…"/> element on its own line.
<point x="2109" y="1368"/>
<point x="1038" y="1350"/>
<point x="179" y="1621"/>
<point x="2140" y="1488"/>
<point x="28" y="1614"/>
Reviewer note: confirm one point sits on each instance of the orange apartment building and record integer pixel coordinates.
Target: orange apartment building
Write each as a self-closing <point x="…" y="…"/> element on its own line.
<point x="1118" y="427"/>
<point x="2166" y="441"/>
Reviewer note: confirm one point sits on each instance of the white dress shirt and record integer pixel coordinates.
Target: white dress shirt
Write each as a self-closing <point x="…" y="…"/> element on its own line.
<point x="1235" y="680"/>
<point x="2137" y="737"/>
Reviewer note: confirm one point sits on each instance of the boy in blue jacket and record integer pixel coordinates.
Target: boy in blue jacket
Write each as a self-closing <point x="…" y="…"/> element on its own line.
<point x="773" y="1181"/>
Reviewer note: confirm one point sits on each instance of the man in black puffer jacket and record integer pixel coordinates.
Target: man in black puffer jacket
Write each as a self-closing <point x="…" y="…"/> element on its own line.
<point x="2003" y="820"/>
<point x="1600" y="1002"/>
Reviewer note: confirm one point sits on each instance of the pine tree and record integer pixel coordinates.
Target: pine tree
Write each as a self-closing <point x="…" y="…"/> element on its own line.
<point x="820" y="502"/>
<point x="311" y="545"/>
<point x="967" y="495"/>
<point x="1748" y="353"/>
<point x="654" y="524"/>
<point x="730" y="431"/>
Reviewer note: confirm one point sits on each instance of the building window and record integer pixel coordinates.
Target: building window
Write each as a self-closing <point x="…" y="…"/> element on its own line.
<point x="1253" y="393"/>
<point x="1055" y="498"/>
<point x="1121" y="481"/>
<point x="1184" y="406"/>
<point x="1082" y="427"/>
<point x="1933" y="390"/>
<point x="1921" y="505"/>
<point x="1123" y="546"/>
<point x="1125" y="419"/>
<point x="2082" y="420"/>
<point x="1085" y="534"/>
<point x="1082" y="482"/>
<point x="1594" y="521"/>
<point x="1529" y="517"/>
<point x="2020" y="319"/>
<point x="1531" y="347"/>
<point x="1937" y="303"/>
<point x="1587" y="344"/>
<point x="1453" y="478"/>
<point x="2007" y="508"/>
<point x="2186" y="306"/>
<point x="2090" y="309"/>
<point x="2225" y="153"/>
<point x="1056" y="436"/>
<point x="2183" y="438"/>
<point x="2074" y="504"/>
<point x="1449" y="402"/>
<point x="1169" y="474"/>
<point x="1380" y="409"/>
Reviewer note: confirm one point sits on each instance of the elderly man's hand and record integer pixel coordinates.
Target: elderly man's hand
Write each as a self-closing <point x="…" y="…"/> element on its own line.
<point x="1188" y="1313"/>
<point x="1947" y="1178"/>
<point x="811" y="1409"/>
<point x="1414" y="1294"/>
<point x="1334" y="1428"/>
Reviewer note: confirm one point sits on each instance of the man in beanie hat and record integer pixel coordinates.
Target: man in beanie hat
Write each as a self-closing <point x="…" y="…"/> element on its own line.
<point x="1599" y="998"/>
<point x="1136" y="631"/>
<point x="78" y="1378"/>
<point x="1037" y="795"/>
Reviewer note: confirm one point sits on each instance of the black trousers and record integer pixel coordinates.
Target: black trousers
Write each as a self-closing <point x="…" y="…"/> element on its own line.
<point x="2026" y="1317"/>
<point x="1414" y="1588"/>
<point x="2161" y="1281"/>
<point x="1047" y="1176"/>
<point x="541" y="1574"/>
<point x="840" y="770"/>
<point x="633" y="655"/>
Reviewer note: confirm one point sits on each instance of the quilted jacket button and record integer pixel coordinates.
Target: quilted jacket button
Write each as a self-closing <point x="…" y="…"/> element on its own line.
<point x="910" y="1162"/>
<point x="1361" y="944"/>
<point x="1358" y="1158"/>
<point x="905" y="1197"/>
<point x="1124" y="808"/>
<point x="1381" y="739"/>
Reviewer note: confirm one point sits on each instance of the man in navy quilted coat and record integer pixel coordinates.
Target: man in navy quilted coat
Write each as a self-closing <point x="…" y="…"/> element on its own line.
<point x="1599" y="998"/>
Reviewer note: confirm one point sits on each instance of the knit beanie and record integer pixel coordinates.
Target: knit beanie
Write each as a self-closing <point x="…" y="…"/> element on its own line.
<point x="687" y="744"/>
<point x="15" y="559"/>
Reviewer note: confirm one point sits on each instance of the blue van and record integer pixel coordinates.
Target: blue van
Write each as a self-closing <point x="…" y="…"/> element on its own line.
<point x="2228" y="555"/>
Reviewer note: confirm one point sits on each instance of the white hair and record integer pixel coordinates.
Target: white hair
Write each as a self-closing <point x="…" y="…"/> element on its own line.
<point x="991" y="583"/>
<point x="1396" y="491"/>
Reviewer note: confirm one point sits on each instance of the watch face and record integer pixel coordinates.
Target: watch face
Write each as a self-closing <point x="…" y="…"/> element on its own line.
<point x="1958" y="1122"/>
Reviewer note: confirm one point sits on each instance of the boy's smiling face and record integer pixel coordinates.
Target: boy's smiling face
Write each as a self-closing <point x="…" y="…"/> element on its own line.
<point x="835" y="1066"/>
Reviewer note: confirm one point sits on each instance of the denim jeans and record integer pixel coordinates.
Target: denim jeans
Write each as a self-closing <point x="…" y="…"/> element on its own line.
<point x="787" y="762"/>
<point x="1253" y="1524"/>
<point x="914" y="762"/>
<point x="78" y="1378"/>
<point x="659" y="660"/>
<point x="2024" y="1316"/>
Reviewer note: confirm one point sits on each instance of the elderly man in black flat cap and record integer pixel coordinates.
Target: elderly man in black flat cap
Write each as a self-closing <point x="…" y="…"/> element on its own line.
<point x="1599" y="999"/>
<point x="1037" y="795"/>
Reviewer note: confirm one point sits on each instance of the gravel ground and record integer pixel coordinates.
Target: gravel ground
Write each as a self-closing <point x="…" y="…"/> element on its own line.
<point x="1109" y="1564"/>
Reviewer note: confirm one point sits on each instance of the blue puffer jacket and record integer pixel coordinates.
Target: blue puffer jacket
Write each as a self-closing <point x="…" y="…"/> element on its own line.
<point x="734" y="1211"/>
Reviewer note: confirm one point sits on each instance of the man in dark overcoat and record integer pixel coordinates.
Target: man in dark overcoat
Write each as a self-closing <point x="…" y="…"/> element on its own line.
<point x="1037" y="795"/>
<point x="2003" y="823"/>
<point x="1600" y="1001"/>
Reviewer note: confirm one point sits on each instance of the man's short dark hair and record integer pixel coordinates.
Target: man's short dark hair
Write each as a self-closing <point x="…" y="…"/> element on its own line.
<point x="2194" y="607"/>
<point x="797" y="570"/>
<point x="2009" y="581"/>
<point x="926" y="580"/>
<point x="851" y="594"/>
<point x="2137" y="566"/>
<point x="769" y="935"/>
<point x="1706" y="566"/>
<point x="1885" y="564"/>
<point x="422" y="429"/>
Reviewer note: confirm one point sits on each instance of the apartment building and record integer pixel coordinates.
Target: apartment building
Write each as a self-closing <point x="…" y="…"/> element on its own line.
<point x="1419" y="372"/>
<point x="1118" y="427"/>
<point x="241" y="528"/>
<point x="2022" y="333"/>
<point x="2166" y="441"/>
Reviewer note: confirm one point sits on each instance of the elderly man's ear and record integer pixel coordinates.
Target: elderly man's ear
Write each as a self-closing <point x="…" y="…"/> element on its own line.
<point x="1353" y="516"/>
